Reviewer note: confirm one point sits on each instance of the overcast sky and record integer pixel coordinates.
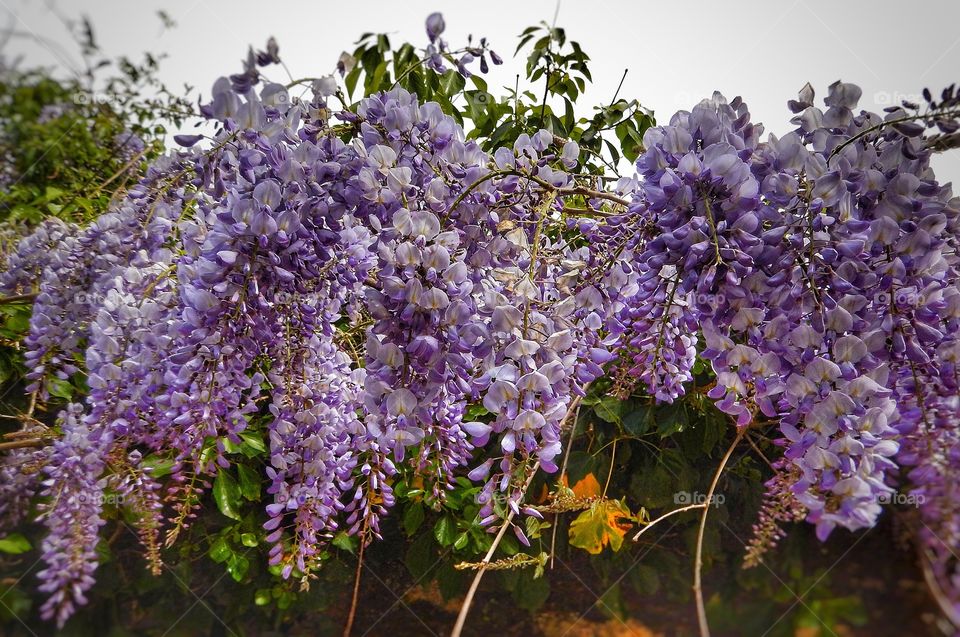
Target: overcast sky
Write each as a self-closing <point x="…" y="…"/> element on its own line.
<point x="676" y="52"/>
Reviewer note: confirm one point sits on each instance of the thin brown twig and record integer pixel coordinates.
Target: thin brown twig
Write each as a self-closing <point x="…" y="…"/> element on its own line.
<point x="22" y="444"/>
<point x="356" y="585"/>
<point x="698" y="564"/>
<point x="890" y="122"/>
<point x="613" y="458"/>
<point x="18" y="298"/>
<point x="666" y="515"/>
<point x="575" y="411"/>
<point x="33" y="403"/>
<point x="575" y="190"/>
<point x="121" y="171"/>
<point x="468" y="600"/>
<point x="760" y="452"/>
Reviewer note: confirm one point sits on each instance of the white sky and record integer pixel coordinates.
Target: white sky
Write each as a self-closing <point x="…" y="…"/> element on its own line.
<point x="677" y="52"/>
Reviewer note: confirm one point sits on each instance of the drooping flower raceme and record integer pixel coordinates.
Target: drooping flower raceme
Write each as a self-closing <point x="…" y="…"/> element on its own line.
<point x="351" y="286"/>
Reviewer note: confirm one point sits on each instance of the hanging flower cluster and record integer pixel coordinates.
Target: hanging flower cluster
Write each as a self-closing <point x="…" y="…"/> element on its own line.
<point x="821" y="270"/>
<point x="356" y="280"/>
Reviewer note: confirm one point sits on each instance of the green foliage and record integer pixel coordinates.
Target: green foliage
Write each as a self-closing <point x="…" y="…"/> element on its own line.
<point x="14" y="544"/>
<point x="68" y="147"/>
<point x="645" y="454"/>
<point x="226" y="492"/>
<point x="528" y="592"/>
<point x="561" y="67"/>
<point x="71" y="144"/>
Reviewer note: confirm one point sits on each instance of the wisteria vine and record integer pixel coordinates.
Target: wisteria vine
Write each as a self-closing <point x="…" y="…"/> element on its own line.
<point x="358" y="280"/>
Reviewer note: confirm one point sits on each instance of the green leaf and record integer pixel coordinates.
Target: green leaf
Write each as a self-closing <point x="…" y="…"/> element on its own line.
<point x="637" y="418"/>
<point x="351" y="79"/>
<point x="523" y="41"/>
<point x="445" y="531"/>
<point x="452" y="82"/>
<point x="475" y="411"/>
<point x="249" y="482"/>
<point x="380" y="78"/>
<point x="479" y="82"/>
<point x="248" y="539"/>
<point x="237" y="566"/>
<point x="611" y="602"/>
<point x="672" y="419"/>
<point x="226" y="493"/>
<point x="609" y="409"/>
<point x="412" y="518"/>
<point x="345" y="542"/>
<point x="159" y="467"/>
<point x="450" y="581"/>
<point x="416" y="85"/>
<point x="220" y="550"/>
<point x="252" y="443"/>
<point x="262" y="597"/>
<point x="420" y="557"/>
<point x="531" y="593"/>
<point x="14" y="544"/>
<point x="52" y="193"/>
<point x="568" y="116"/>
<point x="645" y="579"/>
<point x="510" y="545"/>
<point x="60" y="388"/>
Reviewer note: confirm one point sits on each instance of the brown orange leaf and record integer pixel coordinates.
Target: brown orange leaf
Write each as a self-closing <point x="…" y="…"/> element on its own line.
<point x="606" y="522"/>
<point x="587" y="487"/>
